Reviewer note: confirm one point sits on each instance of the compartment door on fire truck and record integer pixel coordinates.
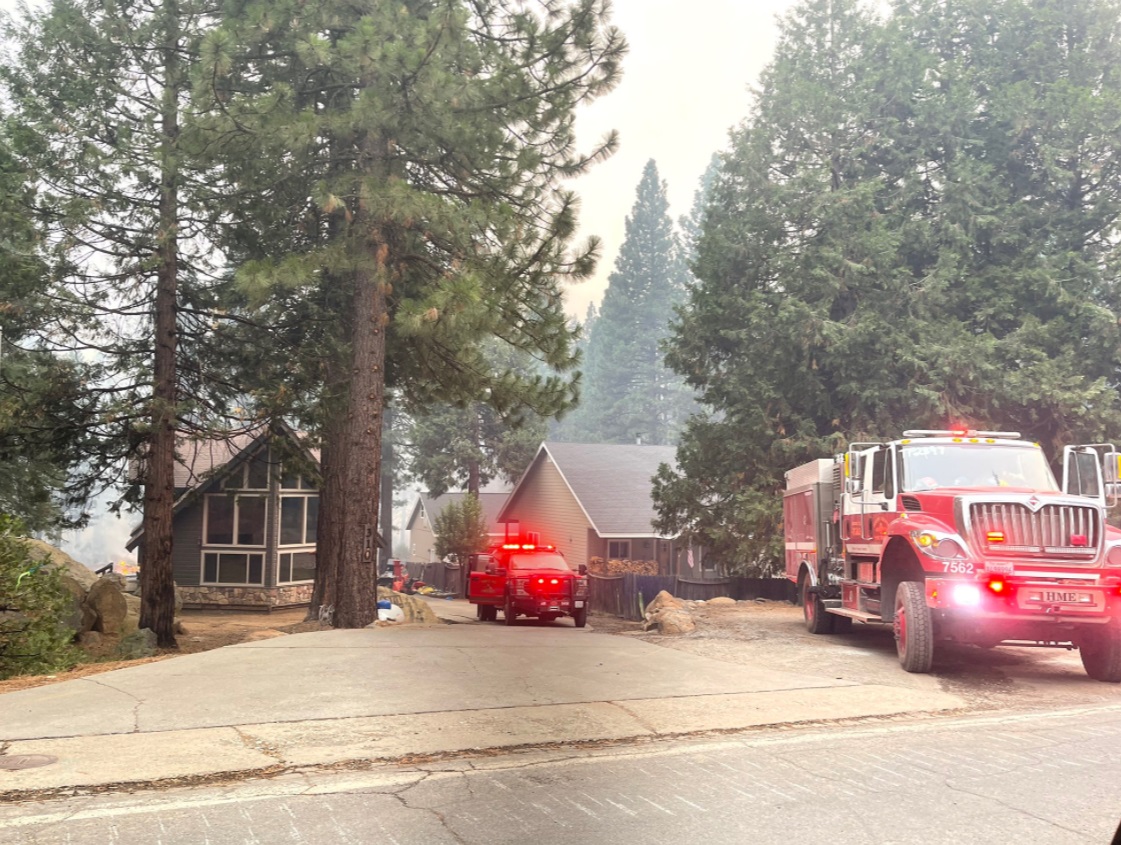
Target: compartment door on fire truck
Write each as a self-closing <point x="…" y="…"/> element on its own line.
<point x="872" y="503"/>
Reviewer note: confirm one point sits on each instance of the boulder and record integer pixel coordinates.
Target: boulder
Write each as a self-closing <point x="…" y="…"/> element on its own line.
<point x="722" y="601"/>
<point x="416" y="609"/>
<point x="138" y="644"/>
<point x="663" y="600"/>
<point x="132" y="615"/>
<point x="180" y="629"/>
<point x="76" y="578"/>
<point x="106" y="599"/>
<point x="671" y="620"/>
<point x="90" y="640"/>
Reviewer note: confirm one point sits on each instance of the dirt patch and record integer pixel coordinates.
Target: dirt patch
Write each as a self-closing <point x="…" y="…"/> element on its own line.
<point x="206" y="630"/>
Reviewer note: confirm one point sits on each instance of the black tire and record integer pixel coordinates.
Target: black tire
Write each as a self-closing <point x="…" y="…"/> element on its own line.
<point x="481" y="612"/>
<point x="1100" y="649"/>
<point x="818" y="620"/>
<point x="490" y="613"/>
<point x="580" y="616"/>
<point x="914" y="628"/>
<point x="508" y="612"/>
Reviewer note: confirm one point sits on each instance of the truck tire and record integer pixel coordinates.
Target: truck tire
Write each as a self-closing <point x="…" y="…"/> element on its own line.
<point x="481" y="612"/>
<point x="490" y="613"/>
<point x="914" y="628"/>
<point x="1100" y="649"/>
<point x="580" y="616"/>
<point x="818" y="620"/>
<point x="508" y="612"/>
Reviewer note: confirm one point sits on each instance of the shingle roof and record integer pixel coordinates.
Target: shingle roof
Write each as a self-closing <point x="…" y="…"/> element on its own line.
<point x="196" y="460"/>
<point x="613" y="482"/>
<point x="491" y="502"/>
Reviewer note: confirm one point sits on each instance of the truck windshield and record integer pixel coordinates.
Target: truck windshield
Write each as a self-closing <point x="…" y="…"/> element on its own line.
<point x="538" y="561"/>
<point x="929" y="466"/>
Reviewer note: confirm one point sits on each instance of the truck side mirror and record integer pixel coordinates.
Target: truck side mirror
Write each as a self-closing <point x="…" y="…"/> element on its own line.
<point x="852" y="486"/>
<point x="490" y="569"/>
<point x="582" y="569"/>
<point x="1082" y="471"/>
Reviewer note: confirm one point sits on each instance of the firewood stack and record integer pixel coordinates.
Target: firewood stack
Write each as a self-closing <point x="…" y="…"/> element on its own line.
<point x="599" y="566"/>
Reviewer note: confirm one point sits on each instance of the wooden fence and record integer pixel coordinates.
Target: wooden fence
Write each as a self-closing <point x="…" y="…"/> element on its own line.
<point x="626" y="595"/>
<point x="442" y="576"/>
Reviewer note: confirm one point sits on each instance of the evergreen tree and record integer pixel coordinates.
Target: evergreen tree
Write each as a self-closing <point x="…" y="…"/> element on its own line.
<point x="415" y="150"/>
<point x="45" y="410"/>
<point x="461" y="529"/>
<point x="99" y="90"/>
<point x="912" y="228"/>
<point x="629" y="394"/>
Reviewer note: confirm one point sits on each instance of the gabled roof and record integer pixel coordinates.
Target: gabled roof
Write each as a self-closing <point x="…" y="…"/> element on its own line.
<point x="612" y="482"/>
<point x="201" y="463"/>
<point x="491" y="503"/>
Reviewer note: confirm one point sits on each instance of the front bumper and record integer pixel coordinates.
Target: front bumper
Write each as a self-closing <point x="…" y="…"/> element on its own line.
<point x="1025" y="601"/>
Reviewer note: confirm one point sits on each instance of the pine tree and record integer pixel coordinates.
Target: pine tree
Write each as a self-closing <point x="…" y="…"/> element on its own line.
<point x="912" y="228"/>
<point x="99" y="91"/>
<point x="461" y="529"/>
<point x="628" y="392"/>
<point x="420" y="145"/>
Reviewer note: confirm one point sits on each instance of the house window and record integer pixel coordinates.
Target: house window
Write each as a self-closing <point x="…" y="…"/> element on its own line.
<point x="232" y="568"/>
<point x="234" y="520"/>
<point x="297" y="566"/>
<point x="299" y="516"/>
<point x="251" y="475"/>
<point x="296" y="482"/>
<point x="618" y="549"/>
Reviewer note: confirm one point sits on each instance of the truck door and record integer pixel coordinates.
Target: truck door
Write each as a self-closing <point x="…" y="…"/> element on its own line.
<point x="1092" y="471"/>
<point x="870" y="489"/>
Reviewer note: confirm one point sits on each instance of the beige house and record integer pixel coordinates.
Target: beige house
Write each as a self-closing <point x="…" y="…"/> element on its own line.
<point x="594" y="500"/>
<point x="422" y="537"/>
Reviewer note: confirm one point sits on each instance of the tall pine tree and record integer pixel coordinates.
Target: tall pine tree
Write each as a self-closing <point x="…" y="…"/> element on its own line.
<point x="417" y="149"/>
<point x="629" y="394"/>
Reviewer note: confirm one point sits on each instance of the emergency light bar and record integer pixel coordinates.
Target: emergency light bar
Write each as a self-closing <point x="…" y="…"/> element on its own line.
<point x="961" y="432"/>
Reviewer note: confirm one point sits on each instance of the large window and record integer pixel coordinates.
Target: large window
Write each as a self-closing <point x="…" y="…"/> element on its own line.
<point x="232" y="568"/>
<point x="234" y="520"/>
<point x="297" y="566"/>
<point x="298" y="518"/>
<point x="251" y="475"/>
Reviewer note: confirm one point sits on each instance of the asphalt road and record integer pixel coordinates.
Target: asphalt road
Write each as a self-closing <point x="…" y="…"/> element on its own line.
<point x="1030" y="778"/>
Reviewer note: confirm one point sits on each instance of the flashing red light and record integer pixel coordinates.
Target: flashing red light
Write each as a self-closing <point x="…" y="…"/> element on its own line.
<point x="995" y="537"/>
<point x="1079" y="540"/>
<point x="554" y="581"/>
<point x="998" y="585"/>
<point x="959" y="432"/>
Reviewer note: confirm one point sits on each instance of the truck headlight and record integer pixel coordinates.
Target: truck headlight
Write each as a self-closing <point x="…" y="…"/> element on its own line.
<point x="967" y="595"/>
<point x="939" y="546"/>
<point x="1113" y="556"/>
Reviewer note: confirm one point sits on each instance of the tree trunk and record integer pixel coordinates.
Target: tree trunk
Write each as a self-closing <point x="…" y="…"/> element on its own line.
<point x="356" y="593"/>
<point x="329" y="526"/>
<point x="476" y="447"/>
<point x="157" y="586"/>
<point x="388" y="469"/>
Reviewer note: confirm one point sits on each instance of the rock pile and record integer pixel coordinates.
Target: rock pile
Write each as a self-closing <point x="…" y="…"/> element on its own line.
<point x="599" y="566"/>
<point x="102" y="612"/>
<point x="669" y="615"/>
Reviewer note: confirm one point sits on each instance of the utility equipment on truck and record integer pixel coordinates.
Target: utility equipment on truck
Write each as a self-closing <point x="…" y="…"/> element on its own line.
<point x="960" y="536"/>
<point x="523" y="578"/>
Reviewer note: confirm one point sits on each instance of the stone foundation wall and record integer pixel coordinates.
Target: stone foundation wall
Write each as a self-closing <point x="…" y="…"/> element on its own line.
<point x="284" y="596"/>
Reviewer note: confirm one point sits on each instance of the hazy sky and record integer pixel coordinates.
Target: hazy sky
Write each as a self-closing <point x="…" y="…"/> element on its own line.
<point x="685" y="84"/>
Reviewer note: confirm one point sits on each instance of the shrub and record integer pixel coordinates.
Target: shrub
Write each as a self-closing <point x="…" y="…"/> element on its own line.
<point x="33" y="603"/>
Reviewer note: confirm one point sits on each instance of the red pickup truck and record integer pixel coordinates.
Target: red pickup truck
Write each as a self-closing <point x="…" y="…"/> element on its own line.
<point x="527" y="579"/>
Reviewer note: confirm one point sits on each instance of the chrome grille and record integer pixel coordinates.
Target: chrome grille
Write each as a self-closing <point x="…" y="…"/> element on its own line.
<point x="1047" y="531"/>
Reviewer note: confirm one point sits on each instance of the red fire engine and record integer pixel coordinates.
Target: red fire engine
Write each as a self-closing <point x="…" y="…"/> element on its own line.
<point x="526" y="578"/>
<point x="960" y="536"/>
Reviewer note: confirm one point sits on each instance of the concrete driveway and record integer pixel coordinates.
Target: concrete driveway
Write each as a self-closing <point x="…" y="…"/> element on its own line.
<point x="336" y="697"/>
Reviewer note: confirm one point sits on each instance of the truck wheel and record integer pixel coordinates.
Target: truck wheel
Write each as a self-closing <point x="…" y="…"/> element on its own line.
<point x="508" y="612"/>
<point x="580" y="616"/>
<point x="818" y="620"/>
<point x="1100" y="649"/>
<point x="914" y="628"/>
<point x="490" y="612"/>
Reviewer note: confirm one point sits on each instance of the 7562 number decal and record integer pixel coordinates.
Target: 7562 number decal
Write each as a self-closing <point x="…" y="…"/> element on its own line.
<point x="958" y="567"/>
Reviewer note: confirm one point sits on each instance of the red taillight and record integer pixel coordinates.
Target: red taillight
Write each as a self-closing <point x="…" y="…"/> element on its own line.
<point x="995" y="537"/>
<point x="998" y="585"/>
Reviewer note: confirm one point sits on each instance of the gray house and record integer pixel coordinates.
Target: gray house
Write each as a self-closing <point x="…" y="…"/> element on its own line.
<point x="422" y="518"/>
<point x="244" y="520"/>
<point x="594" y="500"/>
